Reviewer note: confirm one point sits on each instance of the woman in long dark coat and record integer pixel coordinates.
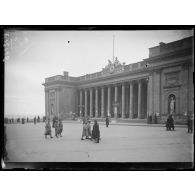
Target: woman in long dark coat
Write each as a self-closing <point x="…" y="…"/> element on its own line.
<point x="96" y="132"/>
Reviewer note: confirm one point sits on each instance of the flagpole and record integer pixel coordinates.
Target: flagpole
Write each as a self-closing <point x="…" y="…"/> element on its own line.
<point x="113" y="49"/>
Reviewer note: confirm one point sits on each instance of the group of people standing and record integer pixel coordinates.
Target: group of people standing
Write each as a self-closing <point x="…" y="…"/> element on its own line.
<point x="57" y="125"/>
<point x="171" y="127"/>
<point x="88" y="134"/>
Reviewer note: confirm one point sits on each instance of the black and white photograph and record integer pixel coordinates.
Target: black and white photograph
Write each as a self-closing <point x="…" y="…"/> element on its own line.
<point x="98" y="95"/>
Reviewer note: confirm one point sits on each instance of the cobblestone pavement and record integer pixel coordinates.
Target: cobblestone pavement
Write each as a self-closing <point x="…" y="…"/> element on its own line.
<point x="119" y="143"/>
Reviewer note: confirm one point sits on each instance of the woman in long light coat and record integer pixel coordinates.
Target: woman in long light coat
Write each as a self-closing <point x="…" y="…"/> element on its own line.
<point x="48" y="129"/>
<point x="85" y="131"/>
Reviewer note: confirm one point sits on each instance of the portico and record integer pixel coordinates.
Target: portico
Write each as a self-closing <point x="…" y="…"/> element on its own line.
<point x="127" y="99"/>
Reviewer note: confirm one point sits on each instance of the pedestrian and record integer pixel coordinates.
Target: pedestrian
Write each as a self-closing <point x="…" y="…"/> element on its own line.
<point x="48" y="129"/>
<point x="27" y="119"/>
<point x="96" y="132"/>
<point x="60" y="128"/>
<point x="170" y="123"/>
<point x="84" y="120"/>
<point x="54" y="121"/>
<point x="88" y="128"/>
<point x="107" y="121"/>
<point x="84" y="132"/>
<point x="189" y="124"/>
<point x="35" y="120"/>
<point x="56" y="126"/>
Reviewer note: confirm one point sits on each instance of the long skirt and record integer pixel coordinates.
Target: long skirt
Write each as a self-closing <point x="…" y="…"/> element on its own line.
<point x="85" y="132"/>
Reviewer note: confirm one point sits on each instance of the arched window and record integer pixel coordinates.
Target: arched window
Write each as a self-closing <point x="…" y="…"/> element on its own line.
<point x="171" y="104"/>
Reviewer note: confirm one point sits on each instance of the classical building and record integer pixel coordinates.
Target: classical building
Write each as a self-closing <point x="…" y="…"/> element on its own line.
<point x="162" y="84"/>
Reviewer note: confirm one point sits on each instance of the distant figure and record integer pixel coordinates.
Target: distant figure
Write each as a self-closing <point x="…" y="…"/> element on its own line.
<point x="35" y="120"/>
<point x="23" y="120"/>
<point x="84" y="132"/>
<point x="107" y="121"/>
<point x="96" y="132"/>
<point x="27" y="120"/>
<point x="38" y="119"/>
<point x="48" y="129"/>
<point x="189" y="124"/>
<point x="155" y="119"/>
<point x="44" y="118"/>
<point x="170" y="123"/>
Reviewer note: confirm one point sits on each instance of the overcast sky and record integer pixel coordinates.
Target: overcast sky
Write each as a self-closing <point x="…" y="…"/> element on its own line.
<point x="35" y="55"/>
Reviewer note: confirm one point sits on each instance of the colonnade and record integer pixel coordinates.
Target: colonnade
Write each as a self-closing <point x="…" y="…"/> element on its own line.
<point x="125" y="100"/>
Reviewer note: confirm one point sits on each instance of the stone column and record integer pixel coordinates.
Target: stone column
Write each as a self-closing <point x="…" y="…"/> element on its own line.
<point x="131" y="100"/>
<point x="116" y="101"/>
<point x="46" y="103"/>
<point x="123" y="100"/>
<point x="102" y="103"/>
<point x="91" y="103"/>
<point x="150" y="94"/>
<point x="81" y="102"/>
<point x="96" y="102"/>
<point x="108" y="106"/>
<point x="56" y="112"/>
<point x="139" y="98"/>
<point x="85" y="102"/>
<point x="58" y="102"/>
<point x="156" y="88"/>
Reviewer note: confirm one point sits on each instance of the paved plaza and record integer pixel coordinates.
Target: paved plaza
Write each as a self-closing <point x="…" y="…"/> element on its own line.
<point x="119" y="143"/>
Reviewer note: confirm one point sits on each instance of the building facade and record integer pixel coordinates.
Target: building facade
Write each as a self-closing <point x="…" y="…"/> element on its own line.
<point x="160" y="85"/>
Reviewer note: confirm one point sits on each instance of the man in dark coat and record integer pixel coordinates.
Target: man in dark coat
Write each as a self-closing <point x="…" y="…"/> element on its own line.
<point x="96" y="132"/>
<point x="170" y="123"/>
<point x="189" y="124"/>
<point x="107" y="121"/>
<point x="60" y="128"/>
